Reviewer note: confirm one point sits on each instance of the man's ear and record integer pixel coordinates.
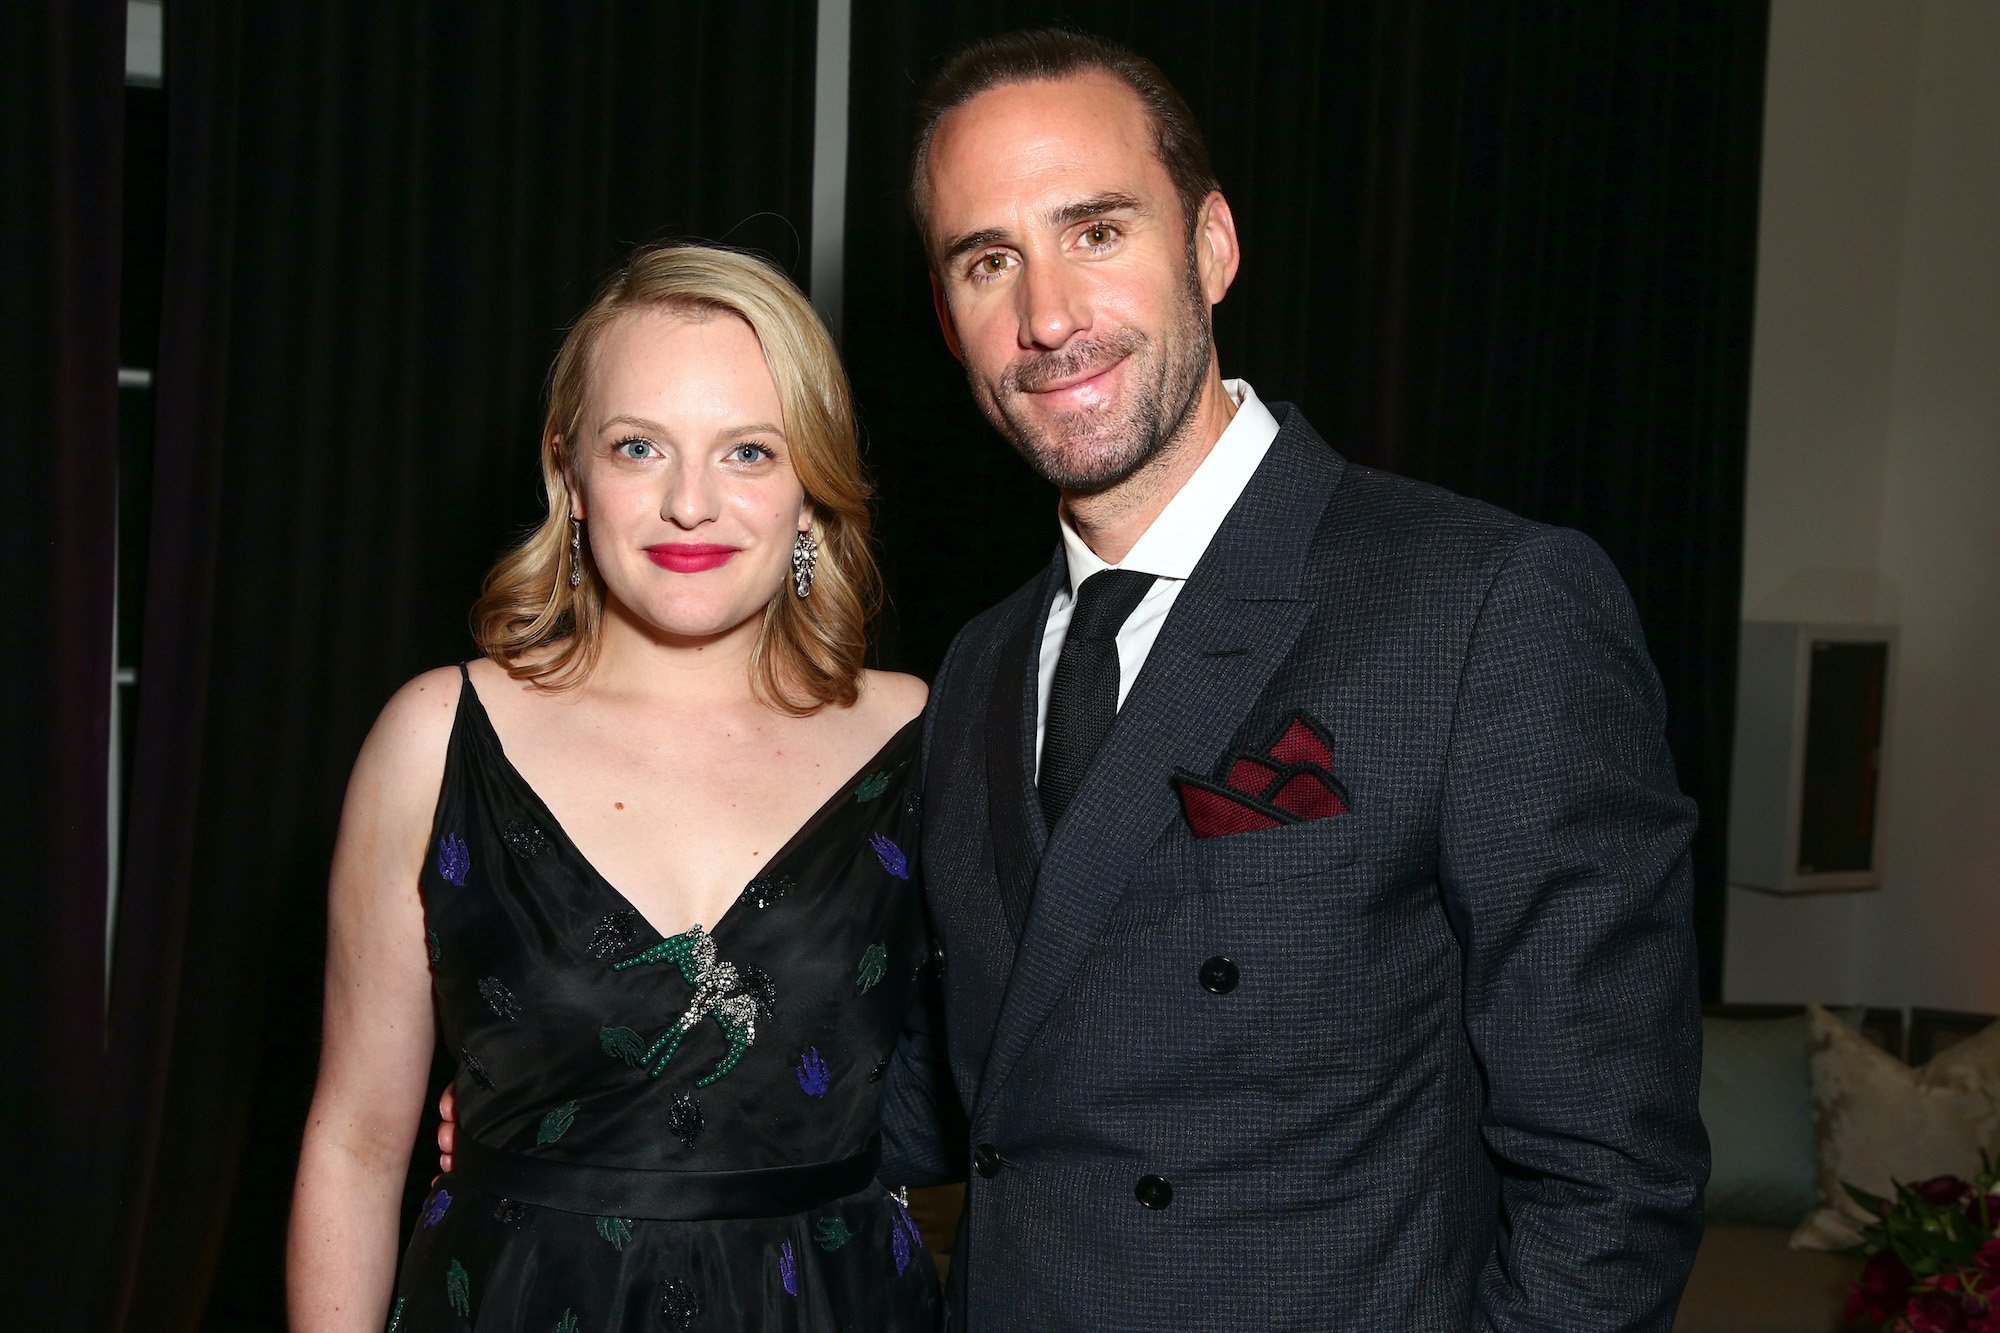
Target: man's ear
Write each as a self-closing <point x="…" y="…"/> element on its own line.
<point x="945" y="325"/>
<point x="1216" y="253"/>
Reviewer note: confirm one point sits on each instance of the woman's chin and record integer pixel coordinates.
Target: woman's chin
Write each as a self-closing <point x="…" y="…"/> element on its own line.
<point x="690" y="622"/>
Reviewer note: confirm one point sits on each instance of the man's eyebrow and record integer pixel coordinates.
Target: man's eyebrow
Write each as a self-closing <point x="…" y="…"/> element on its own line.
<point x="1064" y="215"/>
<point x="1096" y="206"/>
<point x="972" y="240"/>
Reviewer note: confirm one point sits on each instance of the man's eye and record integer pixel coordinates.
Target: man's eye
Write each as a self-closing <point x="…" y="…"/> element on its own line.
<point x="1097" y="234"/>
<point x="993" y="263"/>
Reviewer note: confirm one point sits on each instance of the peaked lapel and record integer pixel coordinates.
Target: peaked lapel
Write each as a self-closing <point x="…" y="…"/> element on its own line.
<point x="1230" y="629"/>
<point x="1014" y="813"/>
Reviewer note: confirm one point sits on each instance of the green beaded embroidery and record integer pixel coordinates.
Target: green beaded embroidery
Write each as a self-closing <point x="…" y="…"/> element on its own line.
<point x="458" y="1289"/>
<point x="874" y="965"/>
<point x="616" y="1232"/>
<point x="556" y="1123"/>
<point x="719" y="993"/>
<point x="873" y="787"/>
<point x="831" y="1233"/>
<point x="396" y="1315"/>
<point x="566" y="1324"/>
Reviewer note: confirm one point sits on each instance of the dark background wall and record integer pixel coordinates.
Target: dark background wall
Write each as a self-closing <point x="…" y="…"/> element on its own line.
<point x="1507" y="248"/>
<point x="1502" y="246"/>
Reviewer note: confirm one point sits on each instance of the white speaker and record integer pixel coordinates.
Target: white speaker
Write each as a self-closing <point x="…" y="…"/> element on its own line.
<point x="1812" y="719"/>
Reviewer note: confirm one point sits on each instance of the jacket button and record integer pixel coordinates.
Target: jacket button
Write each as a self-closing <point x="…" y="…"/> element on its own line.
<point x="1154" y="1191"/>
<point x="1218" y="976"/>
<point x="986" y="1161"/>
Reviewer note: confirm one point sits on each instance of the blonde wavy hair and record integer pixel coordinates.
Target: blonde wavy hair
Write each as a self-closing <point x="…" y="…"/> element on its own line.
<point x="809" y="650"/>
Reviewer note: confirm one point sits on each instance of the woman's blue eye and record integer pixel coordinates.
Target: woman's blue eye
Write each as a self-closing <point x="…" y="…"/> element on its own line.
<point x="750" y="453"/>
<point x="634" y="447"/>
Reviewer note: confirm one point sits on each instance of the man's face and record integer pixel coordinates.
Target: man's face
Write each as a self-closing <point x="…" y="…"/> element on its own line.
<point x="1067" y="282"/>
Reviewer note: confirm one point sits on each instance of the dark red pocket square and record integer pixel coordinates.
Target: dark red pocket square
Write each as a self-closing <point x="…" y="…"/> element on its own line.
<point x="1290" y="782"/>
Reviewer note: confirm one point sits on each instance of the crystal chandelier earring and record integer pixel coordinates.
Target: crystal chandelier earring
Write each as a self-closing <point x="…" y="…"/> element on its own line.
<point x="575" y="552"/>
<point x="805" y="554"/>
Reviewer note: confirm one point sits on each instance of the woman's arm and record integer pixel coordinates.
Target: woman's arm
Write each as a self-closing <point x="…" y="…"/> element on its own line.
<point x="376" y="1050"/>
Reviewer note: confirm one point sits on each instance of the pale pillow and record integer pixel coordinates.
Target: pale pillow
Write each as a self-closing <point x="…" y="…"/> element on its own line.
<point x="1876" y="1120"/>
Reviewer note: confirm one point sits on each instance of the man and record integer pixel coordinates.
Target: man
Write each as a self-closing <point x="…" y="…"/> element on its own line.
<point x="1309" y="871"/>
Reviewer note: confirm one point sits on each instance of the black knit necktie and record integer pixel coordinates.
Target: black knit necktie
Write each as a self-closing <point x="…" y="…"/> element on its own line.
<point x="1083" y="696"/>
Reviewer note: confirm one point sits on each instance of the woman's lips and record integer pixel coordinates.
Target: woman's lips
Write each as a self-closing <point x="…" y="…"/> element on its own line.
<point x="689" y="557"/>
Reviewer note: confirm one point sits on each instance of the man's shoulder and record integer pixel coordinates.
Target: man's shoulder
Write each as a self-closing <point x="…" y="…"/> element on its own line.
<point x="972" y="646"/>
<point x="1374" y="501"/>
<point x="1371" y="502"/>
<point x="1391" y="522"/>
<point x="1398" y="535"/>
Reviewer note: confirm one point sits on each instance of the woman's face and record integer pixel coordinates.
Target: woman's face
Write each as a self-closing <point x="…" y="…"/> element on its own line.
<point x="684" y="477"/>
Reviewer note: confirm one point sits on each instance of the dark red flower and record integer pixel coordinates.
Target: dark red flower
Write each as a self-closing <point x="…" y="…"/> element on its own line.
<point x="1878" y="1294"/>
<point x="1939" y="1191"/>
<point x="1988" y="1257"/>
<point x="1932" y="1312"/>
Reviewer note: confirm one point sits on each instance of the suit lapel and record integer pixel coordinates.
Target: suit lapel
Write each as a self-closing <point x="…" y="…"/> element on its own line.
<point x="1015" y="814"/>
<point x="1230" y="629"/>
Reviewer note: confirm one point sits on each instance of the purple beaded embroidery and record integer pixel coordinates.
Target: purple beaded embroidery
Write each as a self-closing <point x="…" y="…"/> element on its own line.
<point x="904" y="1237"/>
<point x="815" y="1077"/>
<point x="453" y="859"/>
<point x="890" y="855"/>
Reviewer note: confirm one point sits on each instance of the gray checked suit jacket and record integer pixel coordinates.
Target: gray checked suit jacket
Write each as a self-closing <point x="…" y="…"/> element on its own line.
<point x="1453" y="1086"/>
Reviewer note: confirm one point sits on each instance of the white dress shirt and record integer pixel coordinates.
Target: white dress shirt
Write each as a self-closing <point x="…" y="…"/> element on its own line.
<point x="1169" y="549"/>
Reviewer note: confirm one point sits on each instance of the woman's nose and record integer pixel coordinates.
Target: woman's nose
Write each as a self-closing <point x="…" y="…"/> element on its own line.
<point x="691" y="497"/>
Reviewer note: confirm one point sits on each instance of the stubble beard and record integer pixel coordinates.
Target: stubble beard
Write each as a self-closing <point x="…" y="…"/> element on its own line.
<point x="1088" y="452"/>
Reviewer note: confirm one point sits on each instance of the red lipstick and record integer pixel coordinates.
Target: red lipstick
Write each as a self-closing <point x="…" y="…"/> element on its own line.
<point x="689" y="557"/>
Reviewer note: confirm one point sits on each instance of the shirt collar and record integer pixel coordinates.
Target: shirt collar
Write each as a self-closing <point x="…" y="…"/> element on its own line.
<point x="1173" y="544"/>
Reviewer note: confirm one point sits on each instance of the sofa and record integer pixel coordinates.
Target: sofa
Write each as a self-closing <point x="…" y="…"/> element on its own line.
<point x="1757" y="1104"/>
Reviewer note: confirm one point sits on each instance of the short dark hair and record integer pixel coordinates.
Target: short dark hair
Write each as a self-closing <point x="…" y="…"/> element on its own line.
<point x="1059" y="53"/>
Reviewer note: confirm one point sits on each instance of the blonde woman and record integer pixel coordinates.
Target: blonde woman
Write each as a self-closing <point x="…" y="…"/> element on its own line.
<point x="647" y="867"/>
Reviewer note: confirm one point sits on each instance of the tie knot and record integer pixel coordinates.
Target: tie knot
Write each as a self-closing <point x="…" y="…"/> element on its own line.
<point x="1105" y="600"/>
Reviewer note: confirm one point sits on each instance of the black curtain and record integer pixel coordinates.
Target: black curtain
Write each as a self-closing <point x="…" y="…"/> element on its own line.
<point x="379" y="218"/>
<point x="1504" y="246"/>
<point x="61" y="150"/>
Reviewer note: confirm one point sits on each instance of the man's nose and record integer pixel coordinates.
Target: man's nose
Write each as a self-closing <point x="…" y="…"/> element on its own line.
<point x="1053" y="306"/>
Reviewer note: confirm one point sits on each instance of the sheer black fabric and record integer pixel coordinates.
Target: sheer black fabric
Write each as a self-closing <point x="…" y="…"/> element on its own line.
<point x="671" y="1131"/>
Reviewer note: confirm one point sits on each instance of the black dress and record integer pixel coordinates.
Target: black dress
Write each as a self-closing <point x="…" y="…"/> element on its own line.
<point x="666" y="1133"/>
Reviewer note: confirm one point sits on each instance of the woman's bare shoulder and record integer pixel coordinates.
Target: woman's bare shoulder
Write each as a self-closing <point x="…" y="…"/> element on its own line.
<point x="892" y="698"/>
<point x="406" y="746"/>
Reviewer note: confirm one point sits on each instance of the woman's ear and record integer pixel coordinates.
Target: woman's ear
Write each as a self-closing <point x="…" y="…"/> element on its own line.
<point x="569" y="480"/>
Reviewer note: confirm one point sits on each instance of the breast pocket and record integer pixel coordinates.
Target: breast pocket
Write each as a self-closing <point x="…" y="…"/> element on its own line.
<point x="1268" y="856"/>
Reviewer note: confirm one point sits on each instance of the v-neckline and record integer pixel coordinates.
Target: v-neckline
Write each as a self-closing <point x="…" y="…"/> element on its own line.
<point x="785" y="850"/>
